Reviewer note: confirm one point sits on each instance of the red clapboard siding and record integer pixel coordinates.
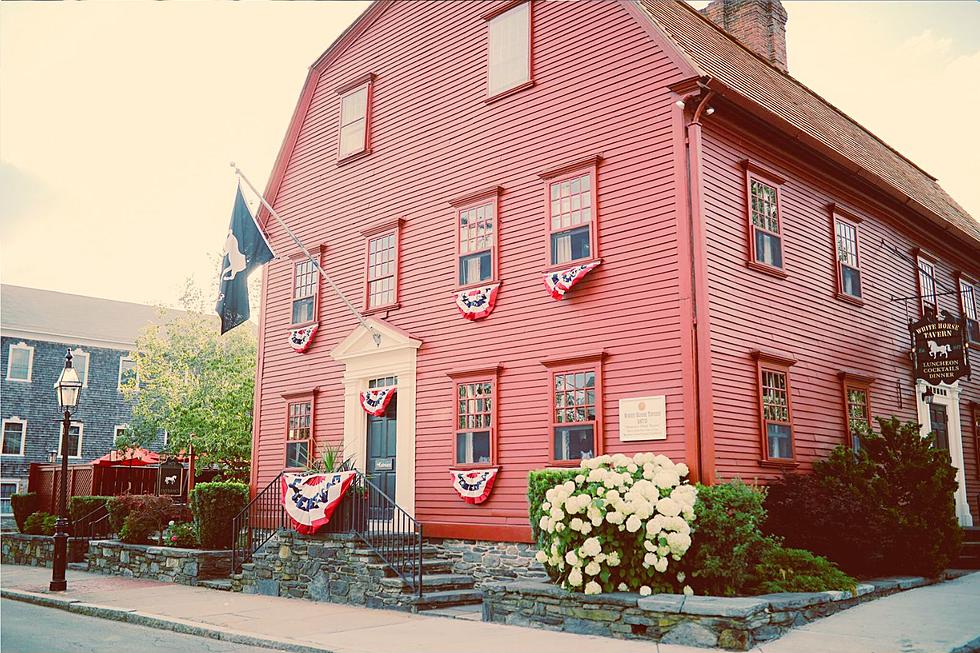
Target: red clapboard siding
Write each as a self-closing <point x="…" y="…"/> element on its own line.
<point x="600" y="88"/>
<point x="801" y="316"/>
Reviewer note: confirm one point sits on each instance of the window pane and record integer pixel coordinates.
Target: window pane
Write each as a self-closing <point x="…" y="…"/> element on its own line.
<point x="968" y="300"/>
<point x="6" y="490"/>
<point x="768" y="249"/>
<point x="20" y="361"/>
<point x="572" y="245"/>
<point x="474" y="268"/>
<point x="780" y="440"/>
<point x="80" y="362"/>
<point x="850" y="281"/>
<point x="303" y="310"/>
<point x="509" y="49"/>
<point x="574" y="442"/>
<point x="847" y="244"/>
<point x="764" y="206"/>
<point x="13" y="434"/>
<point x="127" y="372"/>
<point x="353" y="121"/>
<point x="74" y="440"/>
<point x="297" y="454"/>
<point x="381" y="270"/>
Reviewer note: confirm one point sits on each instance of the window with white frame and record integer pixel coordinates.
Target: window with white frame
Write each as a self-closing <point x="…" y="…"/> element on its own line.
<point x="510" y="49"/>
<point x="119" y="432"/>
<point x="128" y="375"/>
<point x="74" y="441"/>
<point x="14" y="436"/>
<point x="8" y="488"/>
<point x="20" y="362"/>
<point x="354" y="117"/>
<point x="80" y="360"/>
<point x="382" y="270"/>
<point x="927" y="285"/>
<point x="848" y="264"/>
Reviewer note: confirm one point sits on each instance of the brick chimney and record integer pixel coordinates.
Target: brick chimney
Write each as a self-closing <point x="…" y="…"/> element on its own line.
<point x="759" y="25"/>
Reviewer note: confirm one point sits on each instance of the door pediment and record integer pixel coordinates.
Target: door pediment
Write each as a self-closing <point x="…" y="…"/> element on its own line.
<point x="361" y="343"/>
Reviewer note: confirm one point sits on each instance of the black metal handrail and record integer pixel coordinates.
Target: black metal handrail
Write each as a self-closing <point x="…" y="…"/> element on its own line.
<point x="257" y="523"/>
<point x="94" y="524"/>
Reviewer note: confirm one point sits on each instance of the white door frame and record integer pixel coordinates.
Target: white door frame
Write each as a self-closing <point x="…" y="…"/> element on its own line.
<point x="949" y="396"/>
<point x="364" y="360"/>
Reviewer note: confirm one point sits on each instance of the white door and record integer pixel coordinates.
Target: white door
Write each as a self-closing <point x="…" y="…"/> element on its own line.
<point x="942" y="415"/>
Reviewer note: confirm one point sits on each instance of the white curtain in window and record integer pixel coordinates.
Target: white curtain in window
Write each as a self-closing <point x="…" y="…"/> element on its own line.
<point x="510" y="49"/>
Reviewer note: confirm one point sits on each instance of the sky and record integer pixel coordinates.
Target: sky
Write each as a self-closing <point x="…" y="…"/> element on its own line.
<point x="118" y="119"/>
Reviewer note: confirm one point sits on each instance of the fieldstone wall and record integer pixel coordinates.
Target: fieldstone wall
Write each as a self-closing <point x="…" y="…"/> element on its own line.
<point x="491" y="562"/>
<point x="732" y="623"/>
<point x="325" y="567"/>
<point x="38" y="550"/>
<point x="173" y="565"/>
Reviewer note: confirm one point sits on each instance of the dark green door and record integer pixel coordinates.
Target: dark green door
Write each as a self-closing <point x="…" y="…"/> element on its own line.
<point x="940" y="424"/>
<point x="382" y="440"/>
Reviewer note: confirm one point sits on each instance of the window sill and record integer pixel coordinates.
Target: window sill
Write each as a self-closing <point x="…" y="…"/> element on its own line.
<point x="565" y="464"/>
<point x="510" y="91"/>
<point x="381" y="309"/>
<point x="472" y="466"/>
<point x="570" y="264"/>
<point x="779" y="464"/>
<point x="850" y="299"/>
<point x="473" y="286"/>
<point x="301" y="325"/>
<point x="11" y="455"/>
<point x="768" y="269"/>
<point x="19" y="380"/>
<point x="353" y="157"/>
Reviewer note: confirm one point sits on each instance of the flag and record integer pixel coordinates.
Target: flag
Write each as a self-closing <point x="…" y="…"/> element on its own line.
<point x="245" y="249"/>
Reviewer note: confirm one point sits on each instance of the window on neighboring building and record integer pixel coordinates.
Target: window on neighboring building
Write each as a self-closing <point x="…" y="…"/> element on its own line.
<point x="14" y="437"/>
<point x="765" y="223"/>
<point x="382" y="270"/>
<point x="775" y="407"/>
<point x="74" y="441"/>
<point x="510" y="49"/>
<point x="969" y="308"/>
<point x="474" y="421"/>
<point x="128" y="375"/>
<point x="355" y="110"/>
<point x="927" y="284"/>
<point x="79" y="360"/>
<point x="20" y="362"/>
<point x="118" y="432"/>
<point x="298" y="434"/>
<point x="8" y="487"/>
<point x="848" y="264"/>
<point x="476" y="243"/>
<point x="572" y="218"/>
<point x="305" y="291"/>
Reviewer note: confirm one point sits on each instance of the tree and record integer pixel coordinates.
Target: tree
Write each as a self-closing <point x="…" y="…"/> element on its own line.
<point x="194" y="384"/>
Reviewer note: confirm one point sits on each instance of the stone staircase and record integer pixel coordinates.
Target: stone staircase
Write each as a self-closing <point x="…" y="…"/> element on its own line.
<point x="969" y="557"/>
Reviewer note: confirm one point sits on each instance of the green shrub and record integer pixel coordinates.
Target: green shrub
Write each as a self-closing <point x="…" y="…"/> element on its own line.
<point x="888" y="509"/>
<point x="144" y="509"/>
<point x="180" y="534"/>
<point x="726" y="543"/>
<point x="23" y="505"/>
<point x="40" y="523"/>
<point x="214" y="506"/>
<point x="79" y="507"/>
<point x="538" y="482"/>
<point x="137" y="528"/>
<point x="796" y="570"/>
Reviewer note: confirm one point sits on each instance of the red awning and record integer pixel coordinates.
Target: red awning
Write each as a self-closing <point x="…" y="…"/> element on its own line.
<point x="131" y="457"/>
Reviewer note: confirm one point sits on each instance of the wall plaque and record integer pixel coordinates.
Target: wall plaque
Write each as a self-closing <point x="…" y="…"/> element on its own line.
<point x="643" y="418"/>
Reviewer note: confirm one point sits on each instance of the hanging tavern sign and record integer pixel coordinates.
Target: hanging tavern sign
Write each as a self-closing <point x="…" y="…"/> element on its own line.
<point x="171" y="478"/>
<point x="939" y="349"/>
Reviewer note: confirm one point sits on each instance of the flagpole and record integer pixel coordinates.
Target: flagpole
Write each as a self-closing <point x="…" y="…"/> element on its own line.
<point x="316" y="265"/>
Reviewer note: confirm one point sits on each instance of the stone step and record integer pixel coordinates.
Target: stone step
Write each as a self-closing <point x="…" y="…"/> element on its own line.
<point x="78" y="566"/>
<point x="434" y="582"/>
<point x="427" y="550"/>
<point x="470" y="612"/>
<point x="429" y="566"/>
<point x="449" y="598"/>
<point x="222" y="584"/>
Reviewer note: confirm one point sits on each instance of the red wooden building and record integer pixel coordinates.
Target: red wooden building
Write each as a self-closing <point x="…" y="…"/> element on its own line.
<point x="752" y="239"/>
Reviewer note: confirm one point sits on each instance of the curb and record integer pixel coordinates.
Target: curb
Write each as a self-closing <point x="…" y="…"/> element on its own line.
<point x="148" y="620"/>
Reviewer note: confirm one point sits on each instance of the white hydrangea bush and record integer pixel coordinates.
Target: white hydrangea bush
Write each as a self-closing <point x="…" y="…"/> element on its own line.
<point x="621" y="524"/>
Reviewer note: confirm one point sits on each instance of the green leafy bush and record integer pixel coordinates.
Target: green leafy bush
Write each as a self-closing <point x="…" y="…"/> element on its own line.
<point x="40" y="523"/>
<point x="23" y="505"/>
<point x="538" y="483"/>
<point x="140" y="512"/>
<point x="81" y="506"/>
<point x="137" y="528"/>
<point x="214" y="506"/>
<point x="181" y="534"/>
<point x="888" y="509"/>
<point x="795" y="570"/>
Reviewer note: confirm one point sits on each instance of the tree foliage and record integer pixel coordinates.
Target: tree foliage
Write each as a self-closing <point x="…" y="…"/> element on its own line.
<point x="194" y="384"/>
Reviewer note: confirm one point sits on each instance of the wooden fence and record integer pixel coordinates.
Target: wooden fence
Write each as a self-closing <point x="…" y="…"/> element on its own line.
<point x="85" y="480"/>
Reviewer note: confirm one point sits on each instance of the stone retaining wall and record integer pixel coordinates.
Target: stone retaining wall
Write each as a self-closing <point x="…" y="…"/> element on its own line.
<point x="491" y="562"/>
<point x="38" y="550"/>
<point x="731" y="623"/>
<point x="169" y="564"/>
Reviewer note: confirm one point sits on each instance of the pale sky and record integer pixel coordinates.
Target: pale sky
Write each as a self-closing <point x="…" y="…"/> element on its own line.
<point x="118" y="119"/>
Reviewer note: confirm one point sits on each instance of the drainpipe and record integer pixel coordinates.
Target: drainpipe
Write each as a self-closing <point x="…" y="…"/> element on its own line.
<point x="705" y="458"/>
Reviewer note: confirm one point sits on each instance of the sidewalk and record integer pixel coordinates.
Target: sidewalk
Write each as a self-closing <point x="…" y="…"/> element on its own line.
<point x="935" y="619"/>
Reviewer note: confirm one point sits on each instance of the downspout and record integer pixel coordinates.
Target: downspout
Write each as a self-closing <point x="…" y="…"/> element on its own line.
<point x="701" y="330"/>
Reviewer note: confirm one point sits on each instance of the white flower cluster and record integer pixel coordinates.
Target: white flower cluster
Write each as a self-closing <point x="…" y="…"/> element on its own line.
<point x="628" y="503"/>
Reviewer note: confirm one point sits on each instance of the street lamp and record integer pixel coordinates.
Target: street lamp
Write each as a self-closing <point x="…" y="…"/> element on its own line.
<point x="67" y="388"/>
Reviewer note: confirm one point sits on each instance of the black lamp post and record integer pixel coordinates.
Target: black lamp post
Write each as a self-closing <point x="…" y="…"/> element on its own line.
<point x="68" y="388"/>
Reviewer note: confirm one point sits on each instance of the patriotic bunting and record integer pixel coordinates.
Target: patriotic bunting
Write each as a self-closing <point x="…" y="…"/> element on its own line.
<point x="474" y="485"/>
<point x="477" y="303"/>
<point x="301" y="339"/>
<point x="374" y="402"/>
<point x="310" y="499"/>
<point x="560" y="282"/>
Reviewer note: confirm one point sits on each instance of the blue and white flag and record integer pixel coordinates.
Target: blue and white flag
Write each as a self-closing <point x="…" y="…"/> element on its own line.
<point x="245" y="249"/>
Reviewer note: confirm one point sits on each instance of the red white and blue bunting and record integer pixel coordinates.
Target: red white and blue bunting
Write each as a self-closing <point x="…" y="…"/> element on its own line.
<point x="310" y="499"/>
<point x="374" y="402"/>
<point x="560" y="282"/>
<point x="477" y="303"/>
<point x="301" y="339"/>
<point x="474" y="485"/>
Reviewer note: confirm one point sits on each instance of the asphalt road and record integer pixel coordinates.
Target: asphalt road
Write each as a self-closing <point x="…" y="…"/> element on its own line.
<point x="26" y="628"/>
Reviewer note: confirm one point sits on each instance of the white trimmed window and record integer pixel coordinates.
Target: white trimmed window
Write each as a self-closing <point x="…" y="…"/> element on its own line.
<point x="8" y="487"/>
<point x="80" y="360"/>
<point x="74" y="440"/>
<point x="927" y="285"/>
<point x="14" y="436"/>
<point x="354" y="116"/>
<point x="127" y="372"/>
<point x="118" y="432"/>
<point x="510" y="49"/>
<point x="20" y="362"/>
